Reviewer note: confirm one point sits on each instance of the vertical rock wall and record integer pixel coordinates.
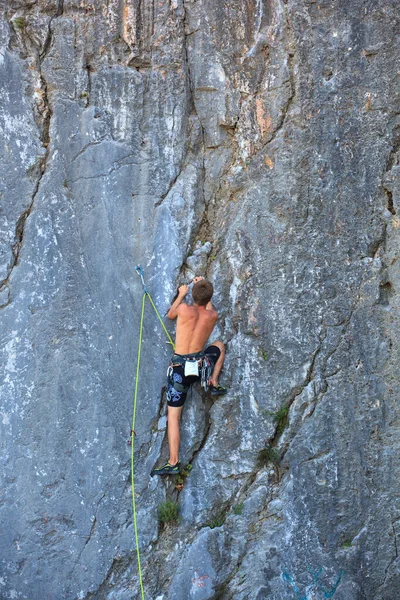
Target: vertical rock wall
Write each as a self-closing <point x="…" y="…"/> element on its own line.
<point x="256" y="143"/>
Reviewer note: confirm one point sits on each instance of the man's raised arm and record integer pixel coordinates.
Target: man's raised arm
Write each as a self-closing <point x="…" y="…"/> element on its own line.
<point x="173" y="311"/>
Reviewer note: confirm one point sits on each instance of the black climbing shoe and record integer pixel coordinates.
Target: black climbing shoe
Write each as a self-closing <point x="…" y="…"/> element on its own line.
<point x="217" y="390"/>
<point x="167" y="469"/>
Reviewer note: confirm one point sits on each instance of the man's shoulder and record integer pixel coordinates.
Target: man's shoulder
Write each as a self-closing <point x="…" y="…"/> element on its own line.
<point x="185" y="308"/>
<point x="213" y="314"/>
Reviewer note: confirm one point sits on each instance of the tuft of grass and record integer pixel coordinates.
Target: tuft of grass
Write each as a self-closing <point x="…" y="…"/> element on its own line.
<point x="238" y="509"/>
<point x="19" y="22"/>
<point x="281" y="418"/>
<point x="346" y="544"/>
<point x="218" y="520"/>
<point x="168" y="512"/>
<point x="268" y="455"/>
<point x="263" y="354"/>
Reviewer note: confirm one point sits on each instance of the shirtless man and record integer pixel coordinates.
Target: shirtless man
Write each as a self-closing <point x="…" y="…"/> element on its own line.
<point x="194" y="326"/>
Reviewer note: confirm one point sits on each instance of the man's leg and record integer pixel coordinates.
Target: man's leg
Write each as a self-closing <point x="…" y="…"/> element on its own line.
<point x="218" y="364"/>
<point x="174" y="416"/>
<point x="175" y="401"/>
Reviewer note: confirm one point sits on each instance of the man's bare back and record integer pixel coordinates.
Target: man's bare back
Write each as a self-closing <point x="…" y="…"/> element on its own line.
<point x="193" y="328"/>
<point x="194" y="324"/>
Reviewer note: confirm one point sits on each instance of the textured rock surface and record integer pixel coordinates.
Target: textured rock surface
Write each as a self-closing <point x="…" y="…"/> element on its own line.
<point x="254" y="142"/>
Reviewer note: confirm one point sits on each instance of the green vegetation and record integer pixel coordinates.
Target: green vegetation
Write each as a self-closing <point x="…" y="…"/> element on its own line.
<point x="346" y="544"/>
<point x="168" y="512"/>
<point x="19" y="22"/>
<point x="268" y="455"/>
<point x="281" y="418"/>
<point x="218" y="520"/>
<point x="238" y="509"/>
<point x="180" y="479"/>
<point x="186" y="471"/>
<point x="263" y="354"/>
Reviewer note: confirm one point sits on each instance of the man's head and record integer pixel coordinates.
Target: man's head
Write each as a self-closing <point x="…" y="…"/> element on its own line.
<point x="202" y="292"/>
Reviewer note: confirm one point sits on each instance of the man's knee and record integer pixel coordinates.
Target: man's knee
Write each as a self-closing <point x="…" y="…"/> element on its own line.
<point x="174" y="413"/>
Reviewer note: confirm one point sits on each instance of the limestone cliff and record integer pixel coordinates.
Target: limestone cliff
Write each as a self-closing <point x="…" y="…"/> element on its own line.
<point x="252" y="141"/>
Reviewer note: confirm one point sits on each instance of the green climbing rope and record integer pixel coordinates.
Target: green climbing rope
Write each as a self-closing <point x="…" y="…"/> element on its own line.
<point x="161" y="321"/>
<point x="132" y="440"/>
<point x="133" y="445"/>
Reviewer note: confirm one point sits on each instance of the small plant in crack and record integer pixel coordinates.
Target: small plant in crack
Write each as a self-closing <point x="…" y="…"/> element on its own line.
<point x="263" y="354"/>
<point x="268" y="455"/>
<point x="180" y="479"/>
<point x="186" y="470"/>
<point x="218" y="520"/>
<point x="238" y="509"/>
<point x="280" y="418"/>
<point x="168" y="512"/>
<point x="19" y="23"/>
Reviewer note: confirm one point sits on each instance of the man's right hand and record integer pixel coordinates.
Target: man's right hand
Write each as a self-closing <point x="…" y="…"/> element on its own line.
<point x="183" y="290"/>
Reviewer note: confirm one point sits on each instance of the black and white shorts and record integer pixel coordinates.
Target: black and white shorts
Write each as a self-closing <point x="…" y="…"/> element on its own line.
<point x="177" y="375"/>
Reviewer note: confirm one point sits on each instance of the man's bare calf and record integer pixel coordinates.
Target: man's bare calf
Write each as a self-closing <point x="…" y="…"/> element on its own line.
<point x="174" y="436"/>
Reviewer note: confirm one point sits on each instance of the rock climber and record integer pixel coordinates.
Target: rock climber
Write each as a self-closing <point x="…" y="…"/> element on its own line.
<point x="190" y="362"/>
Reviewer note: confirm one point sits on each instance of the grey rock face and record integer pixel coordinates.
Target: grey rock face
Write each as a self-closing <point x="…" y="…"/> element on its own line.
<point x="256" y="143"/>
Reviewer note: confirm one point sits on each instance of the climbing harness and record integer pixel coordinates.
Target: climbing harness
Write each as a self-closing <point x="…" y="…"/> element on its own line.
<point x="194" y="365"/>
<point x="140" y="272"/>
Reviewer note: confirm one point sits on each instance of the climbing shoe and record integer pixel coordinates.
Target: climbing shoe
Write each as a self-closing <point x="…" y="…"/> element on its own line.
<point x="217" y="390"/>
<point x="167" y="469"/>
